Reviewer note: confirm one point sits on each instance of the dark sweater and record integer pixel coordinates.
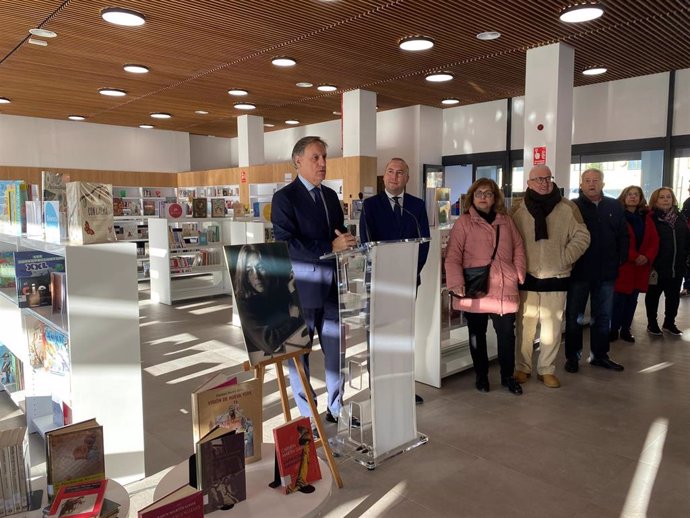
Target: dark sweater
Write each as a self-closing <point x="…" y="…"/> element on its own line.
<point x="674" y="247"/>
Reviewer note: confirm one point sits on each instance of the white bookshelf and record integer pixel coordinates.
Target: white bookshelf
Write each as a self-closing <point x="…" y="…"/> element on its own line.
<point x="262" y="192"/>
<point x="140" y="238"/>
<point x="102" y="323"/>
<point x="229" y="193"/>
<point x="133" y="197"/>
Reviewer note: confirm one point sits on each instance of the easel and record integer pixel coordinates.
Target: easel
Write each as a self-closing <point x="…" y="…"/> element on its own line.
<point x="260" y="371"/>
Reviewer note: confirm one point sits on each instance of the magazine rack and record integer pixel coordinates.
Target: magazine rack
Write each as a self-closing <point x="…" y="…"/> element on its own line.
<point x="377" y="285"/>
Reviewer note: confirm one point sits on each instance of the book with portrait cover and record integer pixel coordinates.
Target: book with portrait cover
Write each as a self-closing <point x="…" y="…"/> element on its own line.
<point x="74" y="454"/>
<point x="217" y="207"/>
<point x="220" y="470"/>
<point x="233" y="402"/>
<point x="296" y="456"/>
<point x="199" y="208"/>
<point x="90" y="212"/>
<point x="79" y="500"/>
<point x="184" y="502"/>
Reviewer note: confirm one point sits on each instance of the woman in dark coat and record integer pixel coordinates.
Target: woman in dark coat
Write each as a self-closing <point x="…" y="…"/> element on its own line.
<point x="633" y="275"/>
<point x="670" y="263"/>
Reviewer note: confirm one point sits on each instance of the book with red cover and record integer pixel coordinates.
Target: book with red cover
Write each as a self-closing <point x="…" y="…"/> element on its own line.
<point x="184" y="502"/>
<point x="296" y="456"/>
<point x="79" y="500"/>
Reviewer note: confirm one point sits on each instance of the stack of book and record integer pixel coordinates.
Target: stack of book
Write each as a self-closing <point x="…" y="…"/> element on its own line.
<point x="15" y="486"/>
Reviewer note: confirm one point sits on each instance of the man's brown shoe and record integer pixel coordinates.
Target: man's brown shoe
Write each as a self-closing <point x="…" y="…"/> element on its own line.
<point x="549" y="380"/>
<point x="522" y="376"/>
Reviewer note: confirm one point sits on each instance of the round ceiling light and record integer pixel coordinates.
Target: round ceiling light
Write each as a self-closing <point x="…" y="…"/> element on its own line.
<point x="42" y="33"/>
<point x="326" y="88"/>
<point x="4" y="100"/>
<point x="581" y="12"/>
<point x="201" y="112"/>
<point x="268" y="125"/>
<point x="415" y="43"/>
<point x="488" y="35"/>
<point x="40" y="43"/>
<point x="76" y="117"/>
<point x="146" y="126"/>
<point x="337" y="113"/>
<point x="245" y="106"/>
<point x="450" y="101"/>
<point x="237" y="92"/>
<point x="160" y="115"/>
<point x="439" y="77"/>
<point x="136" y="69"/>
<point x="594" y="71"/>
<point x="125" y="17"/>
<point x="304" y="84"/>
<point x="292" y="122"/>
<point x="112" y="92"/>
<point x="284" y="61"/>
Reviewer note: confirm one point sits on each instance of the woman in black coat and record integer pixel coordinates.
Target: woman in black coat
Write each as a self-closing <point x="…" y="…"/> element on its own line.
<point x="669" y="266"/>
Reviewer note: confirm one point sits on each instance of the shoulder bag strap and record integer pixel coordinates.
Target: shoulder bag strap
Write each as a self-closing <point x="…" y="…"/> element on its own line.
<point x="498" y="233"/>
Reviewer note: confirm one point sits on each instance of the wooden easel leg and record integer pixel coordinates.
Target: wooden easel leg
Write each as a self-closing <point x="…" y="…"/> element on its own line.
<point x="322" y="442"/>
<point x="283" y="391"/>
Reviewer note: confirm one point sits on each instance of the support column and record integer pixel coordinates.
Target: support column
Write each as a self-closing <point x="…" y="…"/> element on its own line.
<point x="549" y="109"/>
<point x="359" y="123"/>
<point x="250" y="140"/>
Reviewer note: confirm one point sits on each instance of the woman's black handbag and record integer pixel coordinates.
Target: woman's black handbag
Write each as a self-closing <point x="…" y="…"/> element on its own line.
<point x="477" y="278"/>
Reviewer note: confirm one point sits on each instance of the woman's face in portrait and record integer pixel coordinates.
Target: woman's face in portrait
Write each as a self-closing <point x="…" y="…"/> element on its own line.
<point x="665" y="200"/>
<point x="256" y="273"/>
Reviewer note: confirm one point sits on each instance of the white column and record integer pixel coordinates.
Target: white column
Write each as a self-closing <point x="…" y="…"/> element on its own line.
<point x="359" y="123"/>
<point x="549" y="108"/>
<point x="250" y="140"/>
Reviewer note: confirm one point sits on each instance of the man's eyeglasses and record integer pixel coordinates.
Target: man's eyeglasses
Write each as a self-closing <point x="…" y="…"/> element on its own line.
<point x="541" y="179"/>
<point x="483" y="194"/>
<point x="395" y="173"/>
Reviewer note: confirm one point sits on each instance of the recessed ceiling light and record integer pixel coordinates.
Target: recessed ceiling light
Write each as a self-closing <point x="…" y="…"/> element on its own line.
<point x="304" y="84"/>
<point x="160" y="115"/>
<point x="439" y="77"/>
<point x="146" y="126"/>
<point x="326" y="88"/>
<point x="126" y="17"/>
<point x="488" y="35"/>
<point x="112" y="92"/>
<point x="245" y="106"/>
<point x="581" y="12"/>
<point x="414" y="43"/>
<point x="4" y="100"/>
<point x="136" y="69"/>
<point x="594" y="71"/>
<point x="201" y="112"/>
<point x="76" y="117"/>
<point x="268" y="125"/>
<point x="42" y="33"/>
<point x="450" y="101"/>
<point x="337" y="113"/>
<point x="284" y="61"/>
<point x="237" y="92"/>
<point x="291" y="122"/>
<point x="40" y="43"/>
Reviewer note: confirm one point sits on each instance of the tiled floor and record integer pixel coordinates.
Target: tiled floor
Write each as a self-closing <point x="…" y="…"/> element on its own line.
<point x="605" y="444"/>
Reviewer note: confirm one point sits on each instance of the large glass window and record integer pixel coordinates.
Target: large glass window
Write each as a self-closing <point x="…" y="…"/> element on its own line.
<point x="681" y="174"/>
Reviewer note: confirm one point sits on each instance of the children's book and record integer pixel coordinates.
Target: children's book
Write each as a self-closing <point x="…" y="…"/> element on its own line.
<point x="32" y="272"/>
<point x="79" y="500"/>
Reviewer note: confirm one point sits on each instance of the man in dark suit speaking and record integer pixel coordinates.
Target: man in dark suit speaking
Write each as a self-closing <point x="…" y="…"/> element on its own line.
<point x="394" y="214"/>
<point x="308" y="216"/>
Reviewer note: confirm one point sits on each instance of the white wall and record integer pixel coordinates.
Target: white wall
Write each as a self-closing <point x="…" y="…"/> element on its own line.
<point x="475" y="128"/>
<point x="278" y="144"/>
<point x="33" y="142"/>
<point x="681" y="103"/>
<point x="211" y="152"/>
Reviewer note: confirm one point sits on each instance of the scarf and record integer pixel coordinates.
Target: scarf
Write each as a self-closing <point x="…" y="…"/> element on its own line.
<point x="669" y="217"/>
<point x="540" y="206"/>
<point x="489" y="218"/>
<point x="636" y="221"/>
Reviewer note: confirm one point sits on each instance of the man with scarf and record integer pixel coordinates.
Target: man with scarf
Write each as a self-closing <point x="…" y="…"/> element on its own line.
<point x="555" y="236"/>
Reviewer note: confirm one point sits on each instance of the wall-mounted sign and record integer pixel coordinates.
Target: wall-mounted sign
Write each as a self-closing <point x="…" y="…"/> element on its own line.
<point x="539" y="155"/>
<point x="243" y="177"/>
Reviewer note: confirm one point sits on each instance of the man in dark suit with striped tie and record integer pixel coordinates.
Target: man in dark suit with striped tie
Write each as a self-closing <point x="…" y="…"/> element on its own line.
<point x="308" y="216"/>
<point x="395" y="214"/>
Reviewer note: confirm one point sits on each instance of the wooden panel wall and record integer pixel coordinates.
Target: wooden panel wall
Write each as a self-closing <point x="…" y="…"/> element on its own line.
<point x="119" y="178"/>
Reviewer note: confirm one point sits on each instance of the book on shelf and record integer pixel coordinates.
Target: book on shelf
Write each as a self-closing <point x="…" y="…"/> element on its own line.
<point x="79" y="500"/>
<point x="74" y="454"/>
<point x="213" y="233"/>
<point x="34" y="218"/>
<point x="149" y="207"/>
<point x="8" y="278"/>
<point x="220" y="472"/>
<point x="217" y="208"/>
<point x="90" y="212"/>
<point x="58" y="291"/>
<point x="14" y="194"/>
<point x="48" y="347"/>
<point x="54" y="189"/>
<point x="15" y="486"/>
<point x="296" y="456"/>
<point x="199" y="207"/>
<point x="231" y="400"/>
<point x="265" y="211"/>
<point x="173" y="210"/>
<point x="184" y="502"/>
<point x="11" y="370"/>
<point x="55" y="222"/>
<point x="118" y="206"/>
<point x="32" y="271"/>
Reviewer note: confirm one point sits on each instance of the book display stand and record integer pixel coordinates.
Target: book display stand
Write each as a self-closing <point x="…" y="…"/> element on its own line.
<point x="377" y="315"/>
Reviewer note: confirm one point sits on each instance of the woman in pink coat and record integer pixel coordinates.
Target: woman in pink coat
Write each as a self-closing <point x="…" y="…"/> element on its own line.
<point x="471" y="244"/>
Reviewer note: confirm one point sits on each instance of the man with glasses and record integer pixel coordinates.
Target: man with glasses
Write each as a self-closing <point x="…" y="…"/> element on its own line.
<point x="555" y="237"/>
<point x="594" y="274"/>
<point x="395" y="214"/>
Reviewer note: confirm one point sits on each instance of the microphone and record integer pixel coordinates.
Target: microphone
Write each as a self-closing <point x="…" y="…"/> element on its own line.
<point x="366" y="224"/>
<point x="416" y="221"/>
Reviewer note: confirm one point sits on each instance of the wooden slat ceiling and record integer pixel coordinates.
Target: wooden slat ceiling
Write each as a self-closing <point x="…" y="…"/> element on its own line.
<point x="198" y="49"/>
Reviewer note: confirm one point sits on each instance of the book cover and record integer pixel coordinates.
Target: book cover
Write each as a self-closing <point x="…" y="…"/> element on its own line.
<point x="79" y="500"/>
<point x="118" y="207"/>
<point x="55" y="222"/>
<point x="217" y="207"/>
<point x="11" y="370"/>
<point x="34" y="218"/>
<point x="149" y="207"/>
<point x="32" y="271"/>
<point x="54" y="189"/>
<point x="199" y="208"/>
<point x="7" y="271"/>
<point x="265" y="211"/>
<point x="173" y="210"/>
<point x="58" y="291"/>
<point x="220" y="469"/>
<point x="184" y="502"/>
<point x="74" y="454"/>
<point x="90" y="212"/>
<point x="232" y="406"/>
<point x="296" y="456"/>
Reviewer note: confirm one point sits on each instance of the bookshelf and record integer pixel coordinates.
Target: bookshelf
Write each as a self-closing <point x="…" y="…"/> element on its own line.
<point x="102" y="326"/>
<point x="144" y="201"/>
<point x="230" y="193"/>
<point x="135" y="230"/>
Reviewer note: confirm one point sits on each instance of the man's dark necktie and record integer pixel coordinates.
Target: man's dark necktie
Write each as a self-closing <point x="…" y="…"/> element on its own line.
<point x="318" y="199"/>
<point x="397" y="209"/>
